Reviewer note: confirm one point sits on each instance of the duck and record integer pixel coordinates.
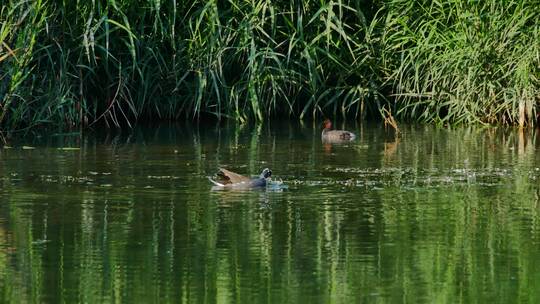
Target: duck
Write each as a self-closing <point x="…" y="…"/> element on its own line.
<point x="335" y="136"/>
<point x="232" y="180"/>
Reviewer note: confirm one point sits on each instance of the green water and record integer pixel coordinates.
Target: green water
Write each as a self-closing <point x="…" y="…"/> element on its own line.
<point x="435" y="216"/>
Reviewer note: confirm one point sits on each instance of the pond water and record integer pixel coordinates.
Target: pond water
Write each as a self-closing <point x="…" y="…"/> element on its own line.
<point x="431" y="215"/>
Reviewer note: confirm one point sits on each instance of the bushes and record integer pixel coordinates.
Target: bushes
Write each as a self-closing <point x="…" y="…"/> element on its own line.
<point x="75" y="63"/>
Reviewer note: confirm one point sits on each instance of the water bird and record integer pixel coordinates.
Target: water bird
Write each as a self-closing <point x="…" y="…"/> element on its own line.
<point x="231" y="180"/>
<point x="335" y="136"/>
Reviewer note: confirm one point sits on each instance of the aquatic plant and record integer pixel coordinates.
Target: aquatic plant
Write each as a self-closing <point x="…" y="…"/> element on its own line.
<point x="74" y="64"/>
<point x="465" y="62"/>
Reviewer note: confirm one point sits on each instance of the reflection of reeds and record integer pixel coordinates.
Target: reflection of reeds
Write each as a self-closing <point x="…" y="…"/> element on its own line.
<point x="390" y="148"/>
<point x="455" y="243"/>
<point x="389" y="120"/>
<point x="118" y="61"/>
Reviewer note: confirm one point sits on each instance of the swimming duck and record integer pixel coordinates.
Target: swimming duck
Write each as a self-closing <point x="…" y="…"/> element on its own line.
<point x="335" y="136"/>
<point x="233" y="180"/>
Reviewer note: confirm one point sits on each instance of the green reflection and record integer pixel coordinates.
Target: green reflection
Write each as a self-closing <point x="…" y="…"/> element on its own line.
<point x="435" y="215"/>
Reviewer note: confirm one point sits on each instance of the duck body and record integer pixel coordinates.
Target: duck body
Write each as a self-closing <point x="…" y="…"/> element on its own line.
<point x="335" y="136"/>
<point x="231" y="180"/>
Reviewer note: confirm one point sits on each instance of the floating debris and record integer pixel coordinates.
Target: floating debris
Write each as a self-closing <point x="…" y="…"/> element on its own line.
<point x="65" y="179"/>
<point x="162" y="177"/>
<point x="69" y="148"/>
<point x="28" y="148"/>
<point x="67" y="134"/>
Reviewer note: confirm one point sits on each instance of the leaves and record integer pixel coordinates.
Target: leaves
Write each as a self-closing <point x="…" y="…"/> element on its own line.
<point x="75" y="63"/>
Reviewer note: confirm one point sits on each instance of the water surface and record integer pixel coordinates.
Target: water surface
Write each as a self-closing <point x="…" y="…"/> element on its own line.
<point x="433" y="216"/>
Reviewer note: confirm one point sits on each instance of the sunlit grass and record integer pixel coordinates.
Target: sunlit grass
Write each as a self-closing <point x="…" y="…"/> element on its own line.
<point x="466" y="62"/>
<point x="74" y="64"/>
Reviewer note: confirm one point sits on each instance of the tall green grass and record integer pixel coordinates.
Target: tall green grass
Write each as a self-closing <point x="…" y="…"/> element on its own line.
<point x="465" y="61"/>
<point x="77" y="63"/>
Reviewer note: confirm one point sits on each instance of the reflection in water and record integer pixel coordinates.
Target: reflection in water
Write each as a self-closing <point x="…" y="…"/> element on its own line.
<point x="435" y="215"/>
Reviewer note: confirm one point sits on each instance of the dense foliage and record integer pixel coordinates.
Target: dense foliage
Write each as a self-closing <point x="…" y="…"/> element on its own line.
<point x="74" y="63"/>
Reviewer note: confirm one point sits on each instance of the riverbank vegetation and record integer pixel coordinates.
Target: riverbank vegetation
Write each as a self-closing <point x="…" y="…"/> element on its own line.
<point x="76" y="63"/>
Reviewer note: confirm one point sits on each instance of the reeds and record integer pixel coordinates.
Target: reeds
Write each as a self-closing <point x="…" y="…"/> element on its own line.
<point x="465" y="62"/>
<point x="73" y="64"/>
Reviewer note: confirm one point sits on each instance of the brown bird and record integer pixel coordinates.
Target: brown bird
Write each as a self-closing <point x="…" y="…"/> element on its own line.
<point x="335" y="136"/>
<point x="233" y="180"/>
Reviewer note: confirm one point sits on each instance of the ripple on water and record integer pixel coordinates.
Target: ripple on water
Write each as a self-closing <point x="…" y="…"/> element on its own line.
<point x="349" y="224"/>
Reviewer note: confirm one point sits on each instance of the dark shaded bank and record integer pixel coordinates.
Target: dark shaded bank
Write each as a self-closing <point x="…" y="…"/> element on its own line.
<point x="71" y="64"/>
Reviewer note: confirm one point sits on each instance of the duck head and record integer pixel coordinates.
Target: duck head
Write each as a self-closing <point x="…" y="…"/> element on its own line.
<point x="327" y="124"/>
<point x="266" y="173"/>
